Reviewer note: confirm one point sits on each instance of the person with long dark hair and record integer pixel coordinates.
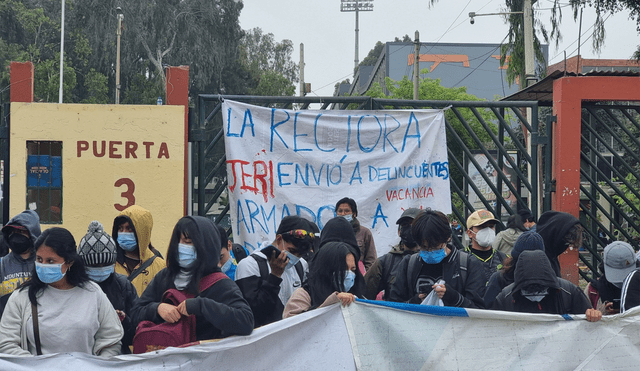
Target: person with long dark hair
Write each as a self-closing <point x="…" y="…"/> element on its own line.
<point x="72" y="312"/>
<point x="347" y="208"/>
<point x="333" y="278"/>
<point x="194" y="252"/>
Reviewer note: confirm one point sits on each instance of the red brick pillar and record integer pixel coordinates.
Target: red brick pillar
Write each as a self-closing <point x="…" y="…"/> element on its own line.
<point x="22" y="82"/>
<point x="178" y="95"/>
<point x="568" y="94"/>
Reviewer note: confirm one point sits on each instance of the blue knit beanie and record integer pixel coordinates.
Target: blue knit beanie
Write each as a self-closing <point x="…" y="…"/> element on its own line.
<point x="528" y="240"/>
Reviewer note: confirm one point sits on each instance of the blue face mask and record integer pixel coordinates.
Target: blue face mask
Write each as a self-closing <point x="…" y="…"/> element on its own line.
<point x="49" y="273"/>
<point x="349" y="217"/>
<point x="433" y="257"/>
<point x="127" y="240"/>
<point x="293" y="260"/>
<point x="100" y="274"/>
<point x="226" y="266"/>
<point x="186" y="255"/>
<point x="349" y="280"/>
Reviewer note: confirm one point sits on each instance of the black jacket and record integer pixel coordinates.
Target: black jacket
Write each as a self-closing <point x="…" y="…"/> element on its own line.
<point x="382" y="274"/>
<point x="220" y="310"/>
<point x="553" y="226"/>
<point x="466" y="294"/>
<point x="533" y="267"/>
<point x="123" y="296"/>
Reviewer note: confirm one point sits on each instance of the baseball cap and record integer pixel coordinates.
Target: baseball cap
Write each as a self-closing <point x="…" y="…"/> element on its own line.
<point x="480" y="217"/>
<point x="619" y="260"/>
<point x="408" y="214"/>
<point x="293" y="222"/>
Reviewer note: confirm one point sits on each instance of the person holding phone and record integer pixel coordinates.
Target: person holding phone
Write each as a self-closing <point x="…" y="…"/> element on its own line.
<point x="269" y="276"/>
<point x="604" y="293"/>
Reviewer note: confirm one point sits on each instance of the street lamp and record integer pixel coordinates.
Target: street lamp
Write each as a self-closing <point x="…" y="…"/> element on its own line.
<point x="120" y="16"/>
<point x="356" y="6"/>
<point x="529" y="58"/>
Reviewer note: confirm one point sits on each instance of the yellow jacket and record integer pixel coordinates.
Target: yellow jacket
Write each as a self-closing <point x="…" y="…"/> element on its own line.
<point x="142" y="223"/>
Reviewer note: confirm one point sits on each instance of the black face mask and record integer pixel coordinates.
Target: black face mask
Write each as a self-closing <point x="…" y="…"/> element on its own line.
<point x="406" y="237"/>
<point x="20" y="243"/>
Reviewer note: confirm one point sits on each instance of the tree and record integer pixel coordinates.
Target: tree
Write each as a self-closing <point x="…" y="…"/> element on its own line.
<point x="269" y="63"/>
<point x="430" y="89"/>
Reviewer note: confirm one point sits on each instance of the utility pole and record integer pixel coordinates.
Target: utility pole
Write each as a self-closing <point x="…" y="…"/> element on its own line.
<point x="61" y="53"/>
<point x="416" y="65"/>
<point x="120" y="16"/>
<point x="529" y="57"/>
<point x="302" y="89"/>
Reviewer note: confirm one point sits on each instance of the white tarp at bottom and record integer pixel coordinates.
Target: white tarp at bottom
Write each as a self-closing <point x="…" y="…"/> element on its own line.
<point x="396" y="339"/>
<point x="368" y="336"/>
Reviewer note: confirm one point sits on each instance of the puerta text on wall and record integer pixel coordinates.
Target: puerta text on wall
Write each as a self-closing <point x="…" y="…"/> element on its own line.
<point x="284" y="162"/>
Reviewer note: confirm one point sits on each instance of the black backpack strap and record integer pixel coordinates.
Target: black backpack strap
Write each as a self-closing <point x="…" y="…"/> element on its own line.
<point x="300" y="270"/>
<point x="413" y="270"/>
<point x="141" y="268"/>
<point x="464" y="265"/>
<point x="262" y="264"/>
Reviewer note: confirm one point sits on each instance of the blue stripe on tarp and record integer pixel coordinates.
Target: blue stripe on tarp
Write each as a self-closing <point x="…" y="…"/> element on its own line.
<point x="429" y="309"/>
<point x="567" y="317"/>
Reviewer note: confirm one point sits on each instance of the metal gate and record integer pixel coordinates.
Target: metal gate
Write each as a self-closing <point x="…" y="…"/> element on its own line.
<point x="490" y="164"/>
<point x="609" y="179"/>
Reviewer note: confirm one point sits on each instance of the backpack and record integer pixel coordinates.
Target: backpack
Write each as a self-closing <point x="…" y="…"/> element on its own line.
<point x="151" y="336"/>
<point x="389" y="264"/>
<point x="413" y="271"/>
<point x="264" y="268"/>
<point x="239" y="252"/>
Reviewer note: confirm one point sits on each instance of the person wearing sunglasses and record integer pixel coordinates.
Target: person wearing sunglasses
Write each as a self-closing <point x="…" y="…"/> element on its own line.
<point x="270" y="275"/>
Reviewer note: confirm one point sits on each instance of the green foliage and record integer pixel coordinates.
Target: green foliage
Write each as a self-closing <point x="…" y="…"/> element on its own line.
<point x="430" y="89"/>
<point x="203" y="34"/>
<point x="96" y="85"/>
<point x="47" y="81"/>
<point x="273" y="84"/>
<point x="143" y="90"/>
<point x="269" y="64"/>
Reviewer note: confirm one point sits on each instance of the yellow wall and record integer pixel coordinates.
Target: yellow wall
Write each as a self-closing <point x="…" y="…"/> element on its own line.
<point x="88" y="182"/>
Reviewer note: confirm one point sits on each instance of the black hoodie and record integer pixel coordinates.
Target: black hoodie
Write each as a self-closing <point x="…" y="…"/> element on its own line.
<point x="220" y="310"/>
<point x="553" y="226"/>
<point x="14" y="270"/>
<point x="533" y="267"/>
<point x="339" y="229"/>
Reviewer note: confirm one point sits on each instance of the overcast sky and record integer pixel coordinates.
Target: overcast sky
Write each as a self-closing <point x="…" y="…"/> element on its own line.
<point x="329" y="35"/>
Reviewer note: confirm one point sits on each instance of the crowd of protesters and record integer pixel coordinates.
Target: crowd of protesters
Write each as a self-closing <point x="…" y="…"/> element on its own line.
<point x="59" y="296"/>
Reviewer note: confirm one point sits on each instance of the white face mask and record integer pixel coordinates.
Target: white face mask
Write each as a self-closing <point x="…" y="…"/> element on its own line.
<point x="485" y="237"/>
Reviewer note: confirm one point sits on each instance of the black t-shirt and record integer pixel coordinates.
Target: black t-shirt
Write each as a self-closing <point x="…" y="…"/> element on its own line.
<point x="429" y="275"/>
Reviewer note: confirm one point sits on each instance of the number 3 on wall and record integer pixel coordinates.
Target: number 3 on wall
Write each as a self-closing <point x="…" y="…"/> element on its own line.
<point x="128" y="194"/>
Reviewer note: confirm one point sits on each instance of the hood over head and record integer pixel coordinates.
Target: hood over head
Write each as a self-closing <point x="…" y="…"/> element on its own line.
<point x="142" y="223"/>
<point x="210" y="238"/>
<point x="533" y="267"/>
<point x="553" y="226"/>
<point x="29" y="220"/>
<point x="339" y="229"/>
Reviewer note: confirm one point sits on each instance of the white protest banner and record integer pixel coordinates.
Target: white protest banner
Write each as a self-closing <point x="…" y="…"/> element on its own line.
<point x="391" y="336"/>
<point x="284" y="162"/>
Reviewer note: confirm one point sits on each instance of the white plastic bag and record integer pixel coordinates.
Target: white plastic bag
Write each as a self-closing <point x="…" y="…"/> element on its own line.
<point x="432" y="298"/>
